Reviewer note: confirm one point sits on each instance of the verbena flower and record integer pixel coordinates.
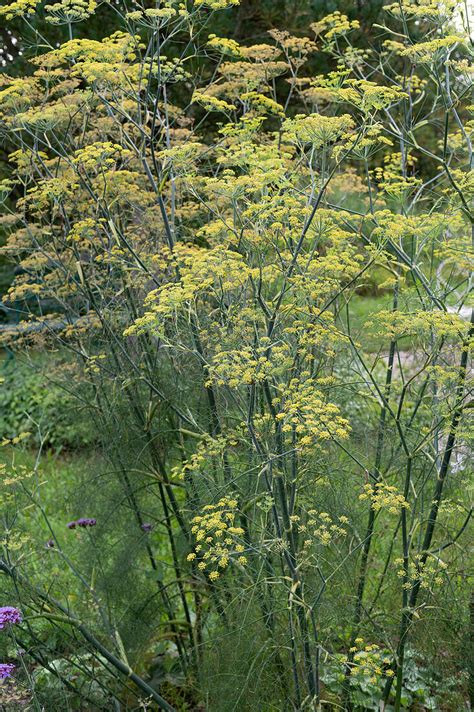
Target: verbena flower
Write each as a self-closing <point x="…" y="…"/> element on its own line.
<point x="50" y="544"/>
<point x="146" y="527"/>
<point x="6" y="670"/>
<point x="86" y="522"/>
<point x="9" y="614"/>
<point x="82" y="522"/>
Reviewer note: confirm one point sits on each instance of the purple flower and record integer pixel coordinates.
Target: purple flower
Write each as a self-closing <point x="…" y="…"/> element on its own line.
<point x="6" y="670"/>
<point x="82" y="522"/>
<point x="146" y="527"/>
<point x="86" y="522"/>
<point x="50" y="544"/>
<point x="9" y="614"/>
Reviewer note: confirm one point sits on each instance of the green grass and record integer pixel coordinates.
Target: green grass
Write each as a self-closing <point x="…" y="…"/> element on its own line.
<point x="57" y="487"/>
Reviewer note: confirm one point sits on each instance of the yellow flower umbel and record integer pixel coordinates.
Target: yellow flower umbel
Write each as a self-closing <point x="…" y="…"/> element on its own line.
<point x="62" y="13"/>
<point x="324" y="528"/>
<point x="303" y="410"/>
<point x="201" y="271"/>
<point x="316" y="129"/>
<point x="215" y="4"/>
<point x="383" y="496"/>
<point x="333" y="25"/>
<point x="369" y="661"/>
<point x="217" y="539"/>
<point x="425" y="573"/>
<point x="245" y="366"/>
<point x="225" y="45"/>
<point x="100" y="155"/>
<point x="425" y="52"/>
<point x="424" y="9"/>
<point x="19" y="8"/>
<point x="212" y="103"/>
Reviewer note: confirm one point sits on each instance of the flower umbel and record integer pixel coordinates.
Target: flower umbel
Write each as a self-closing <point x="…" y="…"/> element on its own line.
<point x="217" y="537"/>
